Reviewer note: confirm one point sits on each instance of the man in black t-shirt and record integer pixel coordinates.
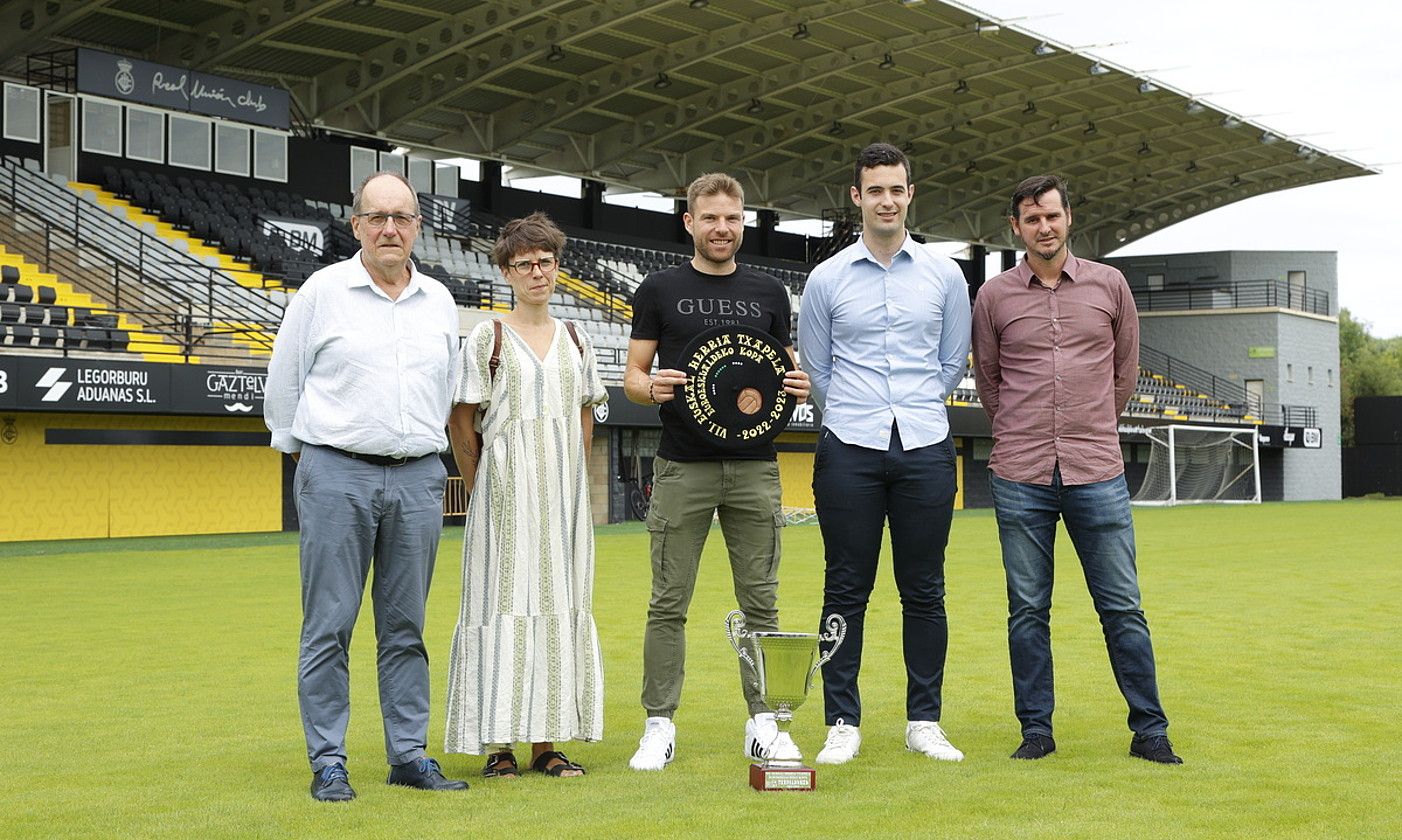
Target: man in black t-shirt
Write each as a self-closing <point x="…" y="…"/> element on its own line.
<point x="693" y="480"/>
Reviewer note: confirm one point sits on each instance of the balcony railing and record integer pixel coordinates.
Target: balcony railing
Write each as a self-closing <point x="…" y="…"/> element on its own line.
<point x="1239" y="295"/>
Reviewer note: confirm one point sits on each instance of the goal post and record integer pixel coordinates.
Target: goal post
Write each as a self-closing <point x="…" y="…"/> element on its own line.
<point x="1201" y="465"/>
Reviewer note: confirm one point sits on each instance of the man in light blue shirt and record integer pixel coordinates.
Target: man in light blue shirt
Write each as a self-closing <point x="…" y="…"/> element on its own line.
<point x="884" y="335"/>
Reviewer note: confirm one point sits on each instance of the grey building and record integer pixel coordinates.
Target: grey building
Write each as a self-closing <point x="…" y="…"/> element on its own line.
<point x="1266" y="322"/>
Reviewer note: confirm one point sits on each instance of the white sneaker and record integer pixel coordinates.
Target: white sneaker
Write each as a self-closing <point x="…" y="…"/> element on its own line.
<point x="925" y="736"/>
<point x="760" y="732"/>
<point x="657" y="747"/>
<point x="843" y="744"/>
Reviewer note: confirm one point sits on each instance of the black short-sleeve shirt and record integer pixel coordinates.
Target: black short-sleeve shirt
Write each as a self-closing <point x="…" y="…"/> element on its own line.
<point x="673" y="305"/>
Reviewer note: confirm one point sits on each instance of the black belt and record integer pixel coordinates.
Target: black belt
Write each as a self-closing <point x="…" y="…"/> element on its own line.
<point x="378" y="460"/>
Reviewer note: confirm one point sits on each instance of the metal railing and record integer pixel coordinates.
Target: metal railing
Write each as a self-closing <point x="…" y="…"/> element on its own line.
<point x="113" y="259"/>
<point x="1245" y="294"/>
<point x="1177" y="370"/>
<point x="167" y="336"/>
<point x="127" y="271"/>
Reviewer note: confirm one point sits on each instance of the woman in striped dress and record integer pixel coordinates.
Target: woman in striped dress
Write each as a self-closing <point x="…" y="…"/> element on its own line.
<point x="525" y="664"/>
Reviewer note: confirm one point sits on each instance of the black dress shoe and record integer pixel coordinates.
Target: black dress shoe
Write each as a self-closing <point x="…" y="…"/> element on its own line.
<point x="1154" y="748"/>
<point x="331" y="784"/>
<point x="1035" y="746"/>
<point x="424" y="774"/>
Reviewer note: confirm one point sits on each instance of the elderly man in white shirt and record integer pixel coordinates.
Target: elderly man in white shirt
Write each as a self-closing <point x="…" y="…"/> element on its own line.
<point x="359" y="389"/>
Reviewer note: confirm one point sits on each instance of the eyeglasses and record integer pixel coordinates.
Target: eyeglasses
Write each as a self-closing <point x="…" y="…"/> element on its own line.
<point x="379" y="220"/>
<point x="523" y="267"/>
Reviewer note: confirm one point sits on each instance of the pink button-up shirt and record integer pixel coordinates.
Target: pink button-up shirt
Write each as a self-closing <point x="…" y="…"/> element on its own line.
<point x="1054" y="368"/>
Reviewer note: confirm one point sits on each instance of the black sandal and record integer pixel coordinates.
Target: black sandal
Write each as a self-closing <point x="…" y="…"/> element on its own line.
<point x="542" y="764"/>
<point x="501" y="765"/>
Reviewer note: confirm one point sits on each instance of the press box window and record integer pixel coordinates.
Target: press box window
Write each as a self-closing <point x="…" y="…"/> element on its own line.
<point x="270" y="156"/>
<point x="21" y="113"/>
<point x="231" y="147"/>
<point x="189" y="142"/>
<point x="102" y="127"/>
<point x="146" y="135"/>
<point x="421" y="174"/>
<point x="362" y="166"/>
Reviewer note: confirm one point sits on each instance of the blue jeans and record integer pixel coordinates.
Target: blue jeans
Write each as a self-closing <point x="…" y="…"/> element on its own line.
<point x="856" y="492"/>
<point x="1098" y="519"/>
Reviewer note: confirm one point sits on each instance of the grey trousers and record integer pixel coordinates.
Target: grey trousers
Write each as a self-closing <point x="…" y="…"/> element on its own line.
<point x="352" y="514"/>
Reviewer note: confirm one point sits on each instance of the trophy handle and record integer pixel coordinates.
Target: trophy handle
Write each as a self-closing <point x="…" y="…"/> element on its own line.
<point x="735" y="631"/>
<point x="836" y="631"/>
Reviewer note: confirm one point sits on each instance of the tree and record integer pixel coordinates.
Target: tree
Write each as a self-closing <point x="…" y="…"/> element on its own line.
<point x="1368" y="367"/>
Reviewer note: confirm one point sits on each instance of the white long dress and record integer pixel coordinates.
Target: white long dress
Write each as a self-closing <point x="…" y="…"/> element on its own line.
<point x="525" y="661"/>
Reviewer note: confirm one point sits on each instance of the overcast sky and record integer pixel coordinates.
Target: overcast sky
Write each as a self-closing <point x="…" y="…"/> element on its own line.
<point x="1322" y="72"/>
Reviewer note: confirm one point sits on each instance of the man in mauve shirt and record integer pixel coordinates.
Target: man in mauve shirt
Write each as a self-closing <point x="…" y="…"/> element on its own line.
<point x="1056" y="357"/>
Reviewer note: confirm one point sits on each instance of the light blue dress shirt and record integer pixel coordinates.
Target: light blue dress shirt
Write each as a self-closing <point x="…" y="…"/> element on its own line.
<point x="885" y="344"/>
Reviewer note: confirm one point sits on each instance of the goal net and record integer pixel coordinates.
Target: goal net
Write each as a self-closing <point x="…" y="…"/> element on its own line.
<point x="1201" y="464"/>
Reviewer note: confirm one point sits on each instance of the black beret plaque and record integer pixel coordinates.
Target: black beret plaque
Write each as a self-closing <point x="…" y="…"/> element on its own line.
<point x="734" y="395"/>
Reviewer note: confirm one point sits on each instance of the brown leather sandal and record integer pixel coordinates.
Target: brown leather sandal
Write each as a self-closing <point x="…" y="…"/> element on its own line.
<point x="501" y="765"/>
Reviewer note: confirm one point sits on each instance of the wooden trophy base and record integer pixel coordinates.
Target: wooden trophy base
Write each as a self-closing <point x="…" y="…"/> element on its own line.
<point x="782" y="778"/>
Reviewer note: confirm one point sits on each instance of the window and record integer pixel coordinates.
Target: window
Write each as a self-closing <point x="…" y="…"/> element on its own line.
<point x="362" y="166"/>
<point x="1331" y="377"/>
<point x="1289" y="373"/>
<point x="146" y="135"/>
<point x="1309" y="374"/>
<point x="390" y="162"/>
<point x="189" y="142"/>
<point x="1154" y="281"/>
<point x="270" y="155"/>
<point x="445" y="179"/>
<point x="421" y="174"/>
<point x="21" y="113"/>
<point x="231" y="147"/>
<point x="102" y="127"/>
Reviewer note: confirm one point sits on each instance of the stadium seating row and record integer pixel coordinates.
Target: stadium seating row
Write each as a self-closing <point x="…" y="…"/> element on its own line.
<point x="232" y="217"/>
<point x="65" y="337"/>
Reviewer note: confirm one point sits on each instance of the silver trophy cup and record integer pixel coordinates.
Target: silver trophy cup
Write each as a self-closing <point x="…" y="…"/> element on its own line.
<point x="783" y="665"/>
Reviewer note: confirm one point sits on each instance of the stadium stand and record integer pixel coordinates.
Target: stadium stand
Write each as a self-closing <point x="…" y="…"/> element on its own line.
<point x="124" y="287"/>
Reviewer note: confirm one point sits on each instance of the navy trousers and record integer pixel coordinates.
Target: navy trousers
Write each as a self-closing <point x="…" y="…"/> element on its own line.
<point x="857" y="491"/>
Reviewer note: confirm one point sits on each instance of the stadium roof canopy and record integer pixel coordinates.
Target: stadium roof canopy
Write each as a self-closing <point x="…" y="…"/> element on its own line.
<point x="781" y="93"/>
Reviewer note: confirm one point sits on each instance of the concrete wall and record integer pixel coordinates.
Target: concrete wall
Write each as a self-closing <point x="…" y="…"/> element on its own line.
<point x="1309" y="375"/>
<point x="1304" y="370"/>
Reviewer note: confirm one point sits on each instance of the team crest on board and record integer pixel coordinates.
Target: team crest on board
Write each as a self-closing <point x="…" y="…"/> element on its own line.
<point x="125" y="82"/>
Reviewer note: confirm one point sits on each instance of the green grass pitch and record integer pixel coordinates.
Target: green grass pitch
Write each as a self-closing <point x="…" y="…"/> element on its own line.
<point x="149" y="691"/>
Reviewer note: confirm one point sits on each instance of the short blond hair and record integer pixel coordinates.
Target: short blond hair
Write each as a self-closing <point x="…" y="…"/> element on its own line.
<point x="713" y="183"/>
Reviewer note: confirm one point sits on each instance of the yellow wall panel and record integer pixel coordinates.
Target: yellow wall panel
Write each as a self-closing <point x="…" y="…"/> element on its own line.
<point x="796" y="471"/>
<point x="77" y="491"/>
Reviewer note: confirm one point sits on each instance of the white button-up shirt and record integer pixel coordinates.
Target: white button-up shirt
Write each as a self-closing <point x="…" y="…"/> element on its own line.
<point x="355" y="370"/>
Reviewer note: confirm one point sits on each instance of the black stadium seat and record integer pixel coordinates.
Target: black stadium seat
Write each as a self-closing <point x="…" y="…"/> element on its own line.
<point x="46" y="294"/>
<point x="9" y="274"/>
